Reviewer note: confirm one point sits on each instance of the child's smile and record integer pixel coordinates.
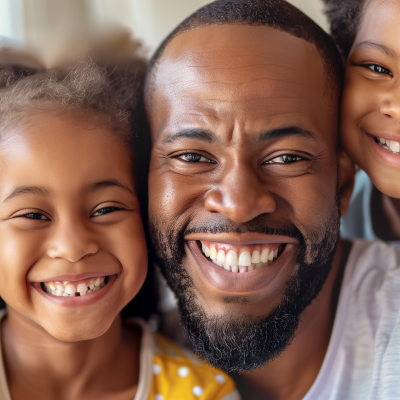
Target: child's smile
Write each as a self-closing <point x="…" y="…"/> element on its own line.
<point x="370" y="123"/>
<point x="72" y="246"/>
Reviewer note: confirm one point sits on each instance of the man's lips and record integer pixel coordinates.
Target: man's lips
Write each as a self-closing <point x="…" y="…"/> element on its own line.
<point x="252" y="278"/>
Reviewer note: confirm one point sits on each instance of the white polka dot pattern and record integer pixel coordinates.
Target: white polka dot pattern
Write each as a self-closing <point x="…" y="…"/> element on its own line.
<point x="197" y="391"/>
<point x="183" y="372"/>
<point x="219" y="378"/>
<point x="159" y="397"/>
<point x="156" y="369"/>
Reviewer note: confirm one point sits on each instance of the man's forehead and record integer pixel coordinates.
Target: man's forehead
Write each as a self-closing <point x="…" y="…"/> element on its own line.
<point x="218" y="70"/>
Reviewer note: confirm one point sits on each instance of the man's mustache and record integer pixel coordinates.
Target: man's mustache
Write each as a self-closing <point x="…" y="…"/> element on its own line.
<point x="258" y="225"/>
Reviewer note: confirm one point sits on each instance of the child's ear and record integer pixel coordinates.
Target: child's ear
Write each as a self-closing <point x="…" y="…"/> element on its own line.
<point x="346" y="171"/>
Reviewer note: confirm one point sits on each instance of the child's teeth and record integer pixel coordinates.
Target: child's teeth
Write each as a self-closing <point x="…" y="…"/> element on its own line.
<point x="82" y="289"/>
<point x="387" y="143"/>
<point x="207" y="251"/>
<point x="221" y="256"/>
<point x="382" y="140"/>
<point x="264" y="256"/>
<point x="244" y="259"/>
<point x="70" y="289"/>
<point x="235" y="268"/>
<point x="255" y="258"/>
<point x="243" y="269"/>
<point x="394" y="146"/>
<point x="271" y="255"/>
<point x="251" y="267"/>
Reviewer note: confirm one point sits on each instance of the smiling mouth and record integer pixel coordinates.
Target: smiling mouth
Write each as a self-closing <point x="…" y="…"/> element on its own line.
<point x="389" y="145"/>
<point x="76" y="288"/>
<point x="241" y="259"/>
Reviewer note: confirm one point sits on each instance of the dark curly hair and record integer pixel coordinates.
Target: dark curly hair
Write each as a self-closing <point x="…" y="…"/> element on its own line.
<point x="344" y="17"/>
<point x="106" y="89"/>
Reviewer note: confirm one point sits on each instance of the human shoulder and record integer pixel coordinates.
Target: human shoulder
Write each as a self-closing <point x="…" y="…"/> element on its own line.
<point x="179" y="374"/>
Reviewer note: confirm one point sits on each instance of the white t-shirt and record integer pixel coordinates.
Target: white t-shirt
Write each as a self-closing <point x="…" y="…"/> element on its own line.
<point x="363" y="358"/>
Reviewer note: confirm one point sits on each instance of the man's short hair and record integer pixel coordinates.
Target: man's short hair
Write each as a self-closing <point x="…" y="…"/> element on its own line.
<point x="277" y="14"/>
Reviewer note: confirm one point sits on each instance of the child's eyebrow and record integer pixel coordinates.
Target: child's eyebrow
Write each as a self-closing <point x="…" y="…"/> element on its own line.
<point x="108" y="183"/>
<point x="20" y="190"/>
<point x="381" y="47"/>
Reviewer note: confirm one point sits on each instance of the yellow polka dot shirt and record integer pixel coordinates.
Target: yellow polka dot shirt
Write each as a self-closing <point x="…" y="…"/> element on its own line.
<point x="179" y="375"/>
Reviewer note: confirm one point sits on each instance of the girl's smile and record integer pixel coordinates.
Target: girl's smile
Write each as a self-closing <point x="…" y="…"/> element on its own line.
<point x="72" y="246"/>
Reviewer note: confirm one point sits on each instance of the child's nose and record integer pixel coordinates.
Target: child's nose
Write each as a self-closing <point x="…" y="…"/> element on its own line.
<point x="71" y="241"/>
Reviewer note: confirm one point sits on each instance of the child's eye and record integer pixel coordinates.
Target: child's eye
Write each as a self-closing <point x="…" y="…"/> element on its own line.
<point x="194" y="157"/>
<point x="35" y="216"/>
<point x="105" y="210"/>
<point x="284" y="159"/>
<point x="379" y="69"/>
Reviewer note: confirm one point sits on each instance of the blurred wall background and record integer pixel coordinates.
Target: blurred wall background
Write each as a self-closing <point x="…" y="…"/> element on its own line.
<point x="38" y="21"/>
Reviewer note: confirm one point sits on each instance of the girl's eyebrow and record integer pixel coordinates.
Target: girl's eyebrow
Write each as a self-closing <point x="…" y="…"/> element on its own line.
<point x="108" y="183"/>
<point x="21" y="190"/>
<point x="381" y="47"/>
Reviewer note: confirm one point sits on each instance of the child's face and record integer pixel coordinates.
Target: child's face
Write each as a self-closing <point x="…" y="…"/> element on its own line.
<point x="370" y="125"/>
<point x="69" y="216"/>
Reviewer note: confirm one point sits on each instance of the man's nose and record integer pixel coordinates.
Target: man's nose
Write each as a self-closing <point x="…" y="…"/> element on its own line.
<point x="241" y="196"/>
<point x="390" y="105"/>
<point x="71" y="241"/>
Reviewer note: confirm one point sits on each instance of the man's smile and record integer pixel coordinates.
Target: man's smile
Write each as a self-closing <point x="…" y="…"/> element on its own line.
<point x="241" y="266"/>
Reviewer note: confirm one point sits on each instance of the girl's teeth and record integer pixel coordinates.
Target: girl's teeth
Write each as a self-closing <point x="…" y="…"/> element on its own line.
<point x="390" y="145"/>
<point x="69" y="289"/>
<point x="246" y="261"/>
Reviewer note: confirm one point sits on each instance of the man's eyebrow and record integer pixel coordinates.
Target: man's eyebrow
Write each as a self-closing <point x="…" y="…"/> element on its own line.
<point x="108" y="183"/>
<point x="287" y="131"/>
<point x="21" y="190"/>
<point x="381" y="47"/>
<point x="198" y="134"/>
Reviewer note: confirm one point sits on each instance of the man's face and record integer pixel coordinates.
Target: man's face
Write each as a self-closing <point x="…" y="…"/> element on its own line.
<point x="244" y="206"/>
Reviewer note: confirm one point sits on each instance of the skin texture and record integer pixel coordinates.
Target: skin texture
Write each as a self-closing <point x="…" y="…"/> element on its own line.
<point x="371" y="102"/>
<point x="68" y="351"/>
<point x="233" y="83"/>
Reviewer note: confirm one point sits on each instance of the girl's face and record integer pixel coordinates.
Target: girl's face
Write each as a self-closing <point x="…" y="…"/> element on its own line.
<point x="370" y="122"/>
<point x="72" y="247"/>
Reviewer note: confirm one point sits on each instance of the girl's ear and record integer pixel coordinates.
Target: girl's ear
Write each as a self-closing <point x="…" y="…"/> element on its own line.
<point x="346" y="171"/>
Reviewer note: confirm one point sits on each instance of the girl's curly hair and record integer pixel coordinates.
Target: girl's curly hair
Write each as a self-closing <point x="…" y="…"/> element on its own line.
<point x="344" y="17"/>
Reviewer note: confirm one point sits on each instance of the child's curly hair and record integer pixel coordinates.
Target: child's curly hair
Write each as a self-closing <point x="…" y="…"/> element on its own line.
<point x="344" y="17"/>
<point x="105" y="89"/>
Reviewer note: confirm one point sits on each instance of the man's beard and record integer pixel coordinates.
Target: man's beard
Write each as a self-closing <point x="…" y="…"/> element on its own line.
<point x="247" y="343"/>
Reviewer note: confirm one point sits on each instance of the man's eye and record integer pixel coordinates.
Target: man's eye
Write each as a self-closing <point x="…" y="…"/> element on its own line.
<point x="35" y="216"/>
<point x="105" y="210"/>
<point x="379" y="69"/>
<point x="193" y="157"/>
<point x="284" y="159"/>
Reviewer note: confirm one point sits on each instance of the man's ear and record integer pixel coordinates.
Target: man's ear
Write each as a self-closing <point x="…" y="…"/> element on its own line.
<point x="346" y="171"/>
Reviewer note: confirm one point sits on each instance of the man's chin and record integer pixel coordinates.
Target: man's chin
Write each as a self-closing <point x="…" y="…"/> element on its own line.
<point x="239" y="344"/>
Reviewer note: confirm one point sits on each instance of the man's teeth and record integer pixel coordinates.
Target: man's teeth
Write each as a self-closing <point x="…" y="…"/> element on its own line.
<point x="72" y="289"/>
<point x="390" y="145"/>
<point x="242" y="262"/>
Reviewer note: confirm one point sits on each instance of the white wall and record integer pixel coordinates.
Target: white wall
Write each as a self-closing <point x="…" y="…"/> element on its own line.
<point x="151" y="20"/>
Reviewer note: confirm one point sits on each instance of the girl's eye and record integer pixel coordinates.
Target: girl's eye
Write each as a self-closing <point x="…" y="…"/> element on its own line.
<point x="105" y="210"/>
<point x="379" y="69"/>
<point x="193" y="157"/>
<point x="284" y="159"/>
<point x="35" y="216"/>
